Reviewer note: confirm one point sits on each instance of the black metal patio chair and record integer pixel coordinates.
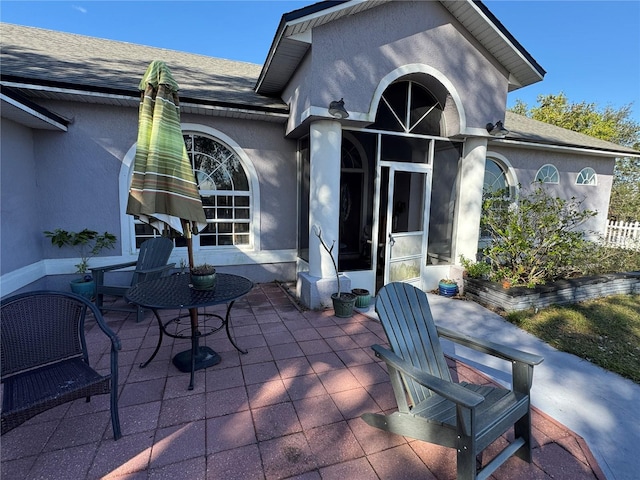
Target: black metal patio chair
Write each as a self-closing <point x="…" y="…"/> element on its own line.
<point x="44" y="356"/>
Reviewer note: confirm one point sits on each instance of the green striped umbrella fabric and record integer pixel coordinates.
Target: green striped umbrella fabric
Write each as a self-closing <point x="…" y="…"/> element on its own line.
<point x="163" y="187"/>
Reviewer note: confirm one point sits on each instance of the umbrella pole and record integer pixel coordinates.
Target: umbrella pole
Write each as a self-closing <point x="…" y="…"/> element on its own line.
<point x="193" y="312"/>
<point x="186" y="228"/>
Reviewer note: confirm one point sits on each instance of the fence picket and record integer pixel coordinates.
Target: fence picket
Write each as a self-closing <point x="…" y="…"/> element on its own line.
<point x="623" y="234"/>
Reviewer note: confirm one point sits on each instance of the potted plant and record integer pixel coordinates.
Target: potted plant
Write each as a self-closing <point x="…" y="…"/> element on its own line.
<point x="88" y="243"/>
<point x="363" y="297"/>
<point x="343" y="302"/>
<point x="447" y="287"/>
<point x="203" y="277"/>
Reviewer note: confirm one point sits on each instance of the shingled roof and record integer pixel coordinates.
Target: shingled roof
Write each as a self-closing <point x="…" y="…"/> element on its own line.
<point x="38" y="63"/>
<point x="534" y="132"/>
<point x="52" y="59"/>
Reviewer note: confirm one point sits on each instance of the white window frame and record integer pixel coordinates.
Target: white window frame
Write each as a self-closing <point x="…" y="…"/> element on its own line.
<point x="587" y="177"/>
<point x="548" y="179"/>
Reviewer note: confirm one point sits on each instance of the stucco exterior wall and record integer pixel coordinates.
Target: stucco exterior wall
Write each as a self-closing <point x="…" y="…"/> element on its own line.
<point x="73" y="180"/>
<point x="527" y="162"/>
<point x="79" y="171"/>
<point x="297" y="93"/>
<point x="350" y="56"/>
<point x="20" y="205"/>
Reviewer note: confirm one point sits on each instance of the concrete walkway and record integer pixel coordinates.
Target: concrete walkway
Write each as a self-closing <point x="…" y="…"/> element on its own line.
<point x="600" y="406"/>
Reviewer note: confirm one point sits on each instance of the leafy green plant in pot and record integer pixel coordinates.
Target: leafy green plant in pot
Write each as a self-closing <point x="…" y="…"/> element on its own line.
<point x="88" y="243"/>
<point x="343" y="302"/>
<point x="203" y="277"/>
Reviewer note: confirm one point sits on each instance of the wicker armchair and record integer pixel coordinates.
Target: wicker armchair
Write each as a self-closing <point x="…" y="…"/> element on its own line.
<point x="44" y="357"/>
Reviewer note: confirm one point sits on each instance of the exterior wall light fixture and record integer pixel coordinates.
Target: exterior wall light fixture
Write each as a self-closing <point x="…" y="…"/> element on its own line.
<point x="497" y="130"/>
<point x="336" y="109"/>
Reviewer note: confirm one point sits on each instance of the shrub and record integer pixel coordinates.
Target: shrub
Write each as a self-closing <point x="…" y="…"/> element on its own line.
<point x="536" y="239"/>
<point x="475" y="269"/>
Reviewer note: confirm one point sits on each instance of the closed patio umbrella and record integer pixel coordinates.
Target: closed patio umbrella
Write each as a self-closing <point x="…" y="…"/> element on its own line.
<point x="163" y="188"/>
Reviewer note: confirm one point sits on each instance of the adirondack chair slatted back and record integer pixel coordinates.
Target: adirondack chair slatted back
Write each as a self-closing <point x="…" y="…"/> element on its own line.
<point x="407" y="321"/>
<point x="154" y="253"/>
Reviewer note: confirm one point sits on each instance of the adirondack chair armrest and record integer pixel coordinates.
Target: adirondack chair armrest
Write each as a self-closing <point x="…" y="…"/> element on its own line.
<point x="491" y="348"/>
<point x="149" y="271"/>
<point x="99" y="270"/>
<point x="451" y="391"/>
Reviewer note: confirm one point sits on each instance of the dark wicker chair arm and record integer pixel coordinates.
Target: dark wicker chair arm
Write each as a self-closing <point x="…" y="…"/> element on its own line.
<point x="97" y="315"/>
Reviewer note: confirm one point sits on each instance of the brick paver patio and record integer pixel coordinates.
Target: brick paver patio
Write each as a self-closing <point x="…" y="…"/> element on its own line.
<point x="288" y="409"/>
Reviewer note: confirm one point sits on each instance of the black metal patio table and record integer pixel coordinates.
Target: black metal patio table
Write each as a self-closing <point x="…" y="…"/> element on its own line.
<point x="174" y="293"/>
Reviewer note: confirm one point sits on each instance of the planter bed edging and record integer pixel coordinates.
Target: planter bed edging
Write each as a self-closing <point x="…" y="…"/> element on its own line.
<point x="492" y="294"/>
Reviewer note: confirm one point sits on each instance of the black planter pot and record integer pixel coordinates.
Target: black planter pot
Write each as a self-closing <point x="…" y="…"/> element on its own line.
<point x="343" y="304"/>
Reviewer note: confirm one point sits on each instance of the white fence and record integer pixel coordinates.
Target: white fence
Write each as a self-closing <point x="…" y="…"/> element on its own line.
<point x="623" y="234"/>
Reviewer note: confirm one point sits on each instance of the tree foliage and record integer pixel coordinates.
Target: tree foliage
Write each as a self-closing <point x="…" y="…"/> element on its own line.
<point x="608" y="123"/>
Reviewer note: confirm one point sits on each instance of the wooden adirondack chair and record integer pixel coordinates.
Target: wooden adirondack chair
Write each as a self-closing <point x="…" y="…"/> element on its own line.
<point x="433" y="408"/>
<point x="151" y="264"/>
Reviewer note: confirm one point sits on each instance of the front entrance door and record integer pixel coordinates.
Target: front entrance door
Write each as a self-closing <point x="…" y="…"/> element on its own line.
<point x="403" y="222"/>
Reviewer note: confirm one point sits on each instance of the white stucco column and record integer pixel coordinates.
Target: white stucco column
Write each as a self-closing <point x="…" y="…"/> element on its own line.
<point x="469" y="208"/>
<point x="324" y="194"/>
<point x="316" y="286"/>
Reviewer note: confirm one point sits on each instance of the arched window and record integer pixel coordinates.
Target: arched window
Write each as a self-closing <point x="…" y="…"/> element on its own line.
<point x="547" y="174"/>
<point x="499" y="179"/>
<point x="407" y="106"/>
<point x="225" y="189"/>
<point x="495" y="178"/>
<point x="587" y="176"/>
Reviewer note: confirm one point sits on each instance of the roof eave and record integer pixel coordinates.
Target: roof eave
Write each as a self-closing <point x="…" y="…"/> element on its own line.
<point x="566" y="148"/>
<point x="110" y="96"/>
<point x="284" y="55"/>
<point x="20" y="109"/>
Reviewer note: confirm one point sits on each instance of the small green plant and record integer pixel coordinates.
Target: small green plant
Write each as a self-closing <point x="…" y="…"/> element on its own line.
<point x="448" y="281"/>
<point x="183" y="265"/>
<point x="203" y="269"/>
<point x="88" y="243"/>
<point x="475" y="269"/>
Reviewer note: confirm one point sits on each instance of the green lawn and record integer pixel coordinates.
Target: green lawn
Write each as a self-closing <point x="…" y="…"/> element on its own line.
<point x="605" y="331"/>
